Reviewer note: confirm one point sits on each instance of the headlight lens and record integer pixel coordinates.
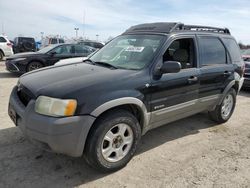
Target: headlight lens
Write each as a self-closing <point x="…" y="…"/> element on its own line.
<point x="19" y="59"/>
<point x="55" y="107"/>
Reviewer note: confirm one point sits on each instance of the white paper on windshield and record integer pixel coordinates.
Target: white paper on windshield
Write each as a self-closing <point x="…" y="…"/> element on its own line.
<point x="134" y="49"/>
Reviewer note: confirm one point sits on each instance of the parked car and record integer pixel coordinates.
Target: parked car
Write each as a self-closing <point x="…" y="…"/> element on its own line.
<point x="246" y="55"/>
<point x="24" y="44"/>
<point x="51" y="40"/>
<point x="246" y="84"/>
<point x="149" y="76"/>
<point x="5" y="47"/>
<point x="75" y="59"/>
<point x="25" y="62"/>
<point x="93" y="44"/>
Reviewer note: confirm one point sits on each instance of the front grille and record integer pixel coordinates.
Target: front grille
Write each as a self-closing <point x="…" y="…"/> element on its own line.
<point x="24" y="95"/>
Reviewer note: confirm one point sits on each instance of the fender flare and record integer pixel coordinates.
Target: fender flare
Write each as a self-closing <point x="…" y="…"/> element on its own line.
<point x="229" y="86"/>
<point x="123" y="101"/>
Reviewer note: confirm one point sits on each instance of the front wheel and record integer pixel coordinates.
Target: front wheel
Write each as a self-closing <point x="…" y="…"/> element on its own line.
<point x="33" y="66"/>
<point x="224" y="111"/>
<point x="113" y="141"/>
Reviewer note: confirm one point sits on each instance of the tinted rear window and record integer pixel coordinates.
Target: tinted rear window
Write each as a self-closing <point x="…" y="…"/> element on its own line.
<point x="31" y="40"/>
<point x="212" y="51"/>
<point x="233" y="49"/>
<point x="2" y="39"/>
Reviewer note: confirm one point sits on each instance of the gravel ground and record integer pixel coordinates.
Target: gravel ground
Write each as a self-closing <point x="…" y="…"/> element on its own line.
<point x="193" y="152"/>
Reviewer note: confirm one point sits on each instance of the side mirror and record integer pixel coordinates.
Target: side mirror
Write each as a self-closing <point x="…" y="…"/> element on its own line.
<point x="170" y="67"/>
<point x="52" y="53"/>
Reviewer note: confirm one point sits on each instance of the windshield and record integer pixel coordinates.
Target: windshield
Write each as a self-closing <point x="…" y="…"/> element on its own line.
<point x="246" y="52"/>
<point x="129" y="51"/>
<point x="47" y="49"/>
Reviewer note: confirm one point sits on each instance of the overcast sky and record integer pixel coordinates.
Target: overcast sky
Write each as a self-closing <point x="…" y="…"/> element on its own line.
<point x="111" y="17"/>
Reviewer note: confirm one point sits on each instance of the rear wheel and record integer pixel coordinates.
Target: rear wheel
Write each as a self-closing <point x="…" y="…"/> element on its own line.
<point x="224" y="111"/>
<point x="34" y="65"/>
<point x="113" y="141"/>
<point x="1" y="56"/>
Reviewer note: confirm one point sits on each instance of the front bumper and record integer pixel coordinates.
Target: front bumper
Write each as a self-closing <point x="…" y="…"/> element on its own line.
<point x="15" y="67"/>
<point x="61" y="135"/>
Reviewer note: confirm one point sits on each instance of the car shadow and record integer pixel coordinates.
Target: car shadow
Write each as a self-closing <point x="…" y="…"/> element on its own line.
<point x="23" y="164"/>
<point x="9" y="75"/>
<point x="245" y="92"/>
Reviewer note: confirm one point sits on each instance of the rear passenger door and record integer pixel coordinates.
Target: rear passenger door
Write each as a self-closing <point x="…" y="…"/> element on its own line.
<point x="215" y="67"/>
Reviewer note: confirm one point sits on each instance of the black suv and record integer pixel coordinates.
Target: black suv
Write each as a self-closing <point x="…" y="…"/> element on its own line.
<point x="24" y="44"/>
<point x="149" y="76"/>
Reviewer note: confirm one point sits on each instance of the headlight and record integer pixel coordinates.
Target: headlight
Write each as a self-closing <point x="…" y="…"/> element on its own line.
<point x="19" y="59"/>
<point x="55" y="107"/>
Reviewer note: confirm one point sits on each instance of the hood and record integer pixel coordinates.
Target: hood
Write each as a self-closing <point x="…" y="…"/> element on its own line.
<point x="22" y="55"/>
<point x="70" y="61"/>
<point x="62" y="81"/>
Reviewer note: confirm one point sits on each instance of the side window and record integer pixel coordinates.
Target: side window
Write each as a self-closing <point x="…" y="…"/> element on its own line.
<point x="233" y="49"/>
<point x="183" y="51"/>
<point x="53" y="41"/>
<point x="80" y="49"/>
<point x="212" y="51"/>
<point x="2" y="39"/>
<point x="63" y="50"/>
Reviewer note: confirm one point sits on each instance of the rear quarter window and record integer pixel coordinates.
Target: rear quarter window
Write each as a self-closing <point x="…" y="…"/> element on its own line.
<point x="233" y="49"/>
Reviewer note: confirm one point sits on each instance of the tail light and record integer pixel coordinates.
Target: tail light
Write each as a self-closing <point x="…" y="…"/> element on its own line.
<point x="9" y="44"/>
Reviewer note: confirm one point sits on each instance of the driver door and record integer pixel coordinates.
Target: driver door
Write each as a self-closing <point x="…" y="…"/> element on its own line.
<point x="175" y="95"/>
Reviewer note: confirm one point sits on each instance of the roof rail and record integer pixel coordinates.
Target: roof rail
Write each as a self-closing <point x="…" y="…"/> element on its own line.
<point x="206" y="29"/>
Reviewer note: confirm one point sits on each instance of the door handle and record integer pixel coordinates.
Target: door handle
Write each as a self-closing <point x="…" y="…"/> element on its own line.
<point x="192" y="79"/>
<point x="227" y="73"/>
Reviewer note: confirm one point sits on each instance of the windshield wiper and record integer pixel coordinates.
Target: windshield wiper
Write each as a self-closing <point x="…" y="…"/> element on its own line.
<point x="100" y="63"/>
<point x="105" y="64"/>
<point x="89" y="60"/>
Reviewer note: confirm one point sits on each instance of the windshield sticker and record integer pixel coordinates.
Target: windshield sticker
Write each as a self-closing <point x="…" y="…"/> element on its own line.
<point x="134" y="49"/>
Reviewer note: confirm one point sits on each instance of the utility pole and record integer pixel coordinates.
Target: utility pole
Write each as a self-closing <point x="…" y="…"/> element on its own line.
<point x="41" y="35"/>
<point x="3" y="28"/>
<point x="76" y="29"/>
<point x="83" y="24"/>
<point x="97" y="37"/>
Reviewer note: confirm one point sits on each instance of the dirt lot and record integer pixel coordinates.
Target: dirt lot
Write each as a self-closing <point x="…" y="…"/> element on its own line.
<point x="193" y="152"/>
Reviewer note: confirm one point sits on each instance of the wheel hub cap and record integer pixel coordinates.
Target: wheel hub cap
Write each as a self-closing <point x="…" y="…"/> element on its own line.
<point x="117" y="142"/>
<point x="227" y="106"/>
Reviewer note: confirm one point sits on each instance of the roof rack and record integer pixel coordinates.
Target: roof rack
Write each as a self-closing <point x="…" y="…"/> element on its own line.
<point x="206" y="29"/>
<point x="168" y="27"/>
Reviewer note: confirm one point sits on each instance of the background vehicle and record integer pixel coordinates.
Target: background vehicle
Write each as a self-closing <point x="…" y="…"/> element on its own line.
<point x="24" y="44"/>
<point x="5" y="47"/>
<point x="246" y="55"/>
<point x="24" y="62"/>
<point x="151" y="75"/>
<point x="246" y="84"/>
<point x="93" y="44"/>
<point x="51" y="40"/>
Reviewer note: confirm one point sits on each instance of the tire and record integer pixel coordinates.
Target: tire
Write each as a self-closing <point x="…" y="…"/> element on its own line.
<point x="27" y="46"/>
<point x="224" y="111"/>
<point x="106" y="149"/>
<point x="1" y="56"/>
<point x="33" y="66"/>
